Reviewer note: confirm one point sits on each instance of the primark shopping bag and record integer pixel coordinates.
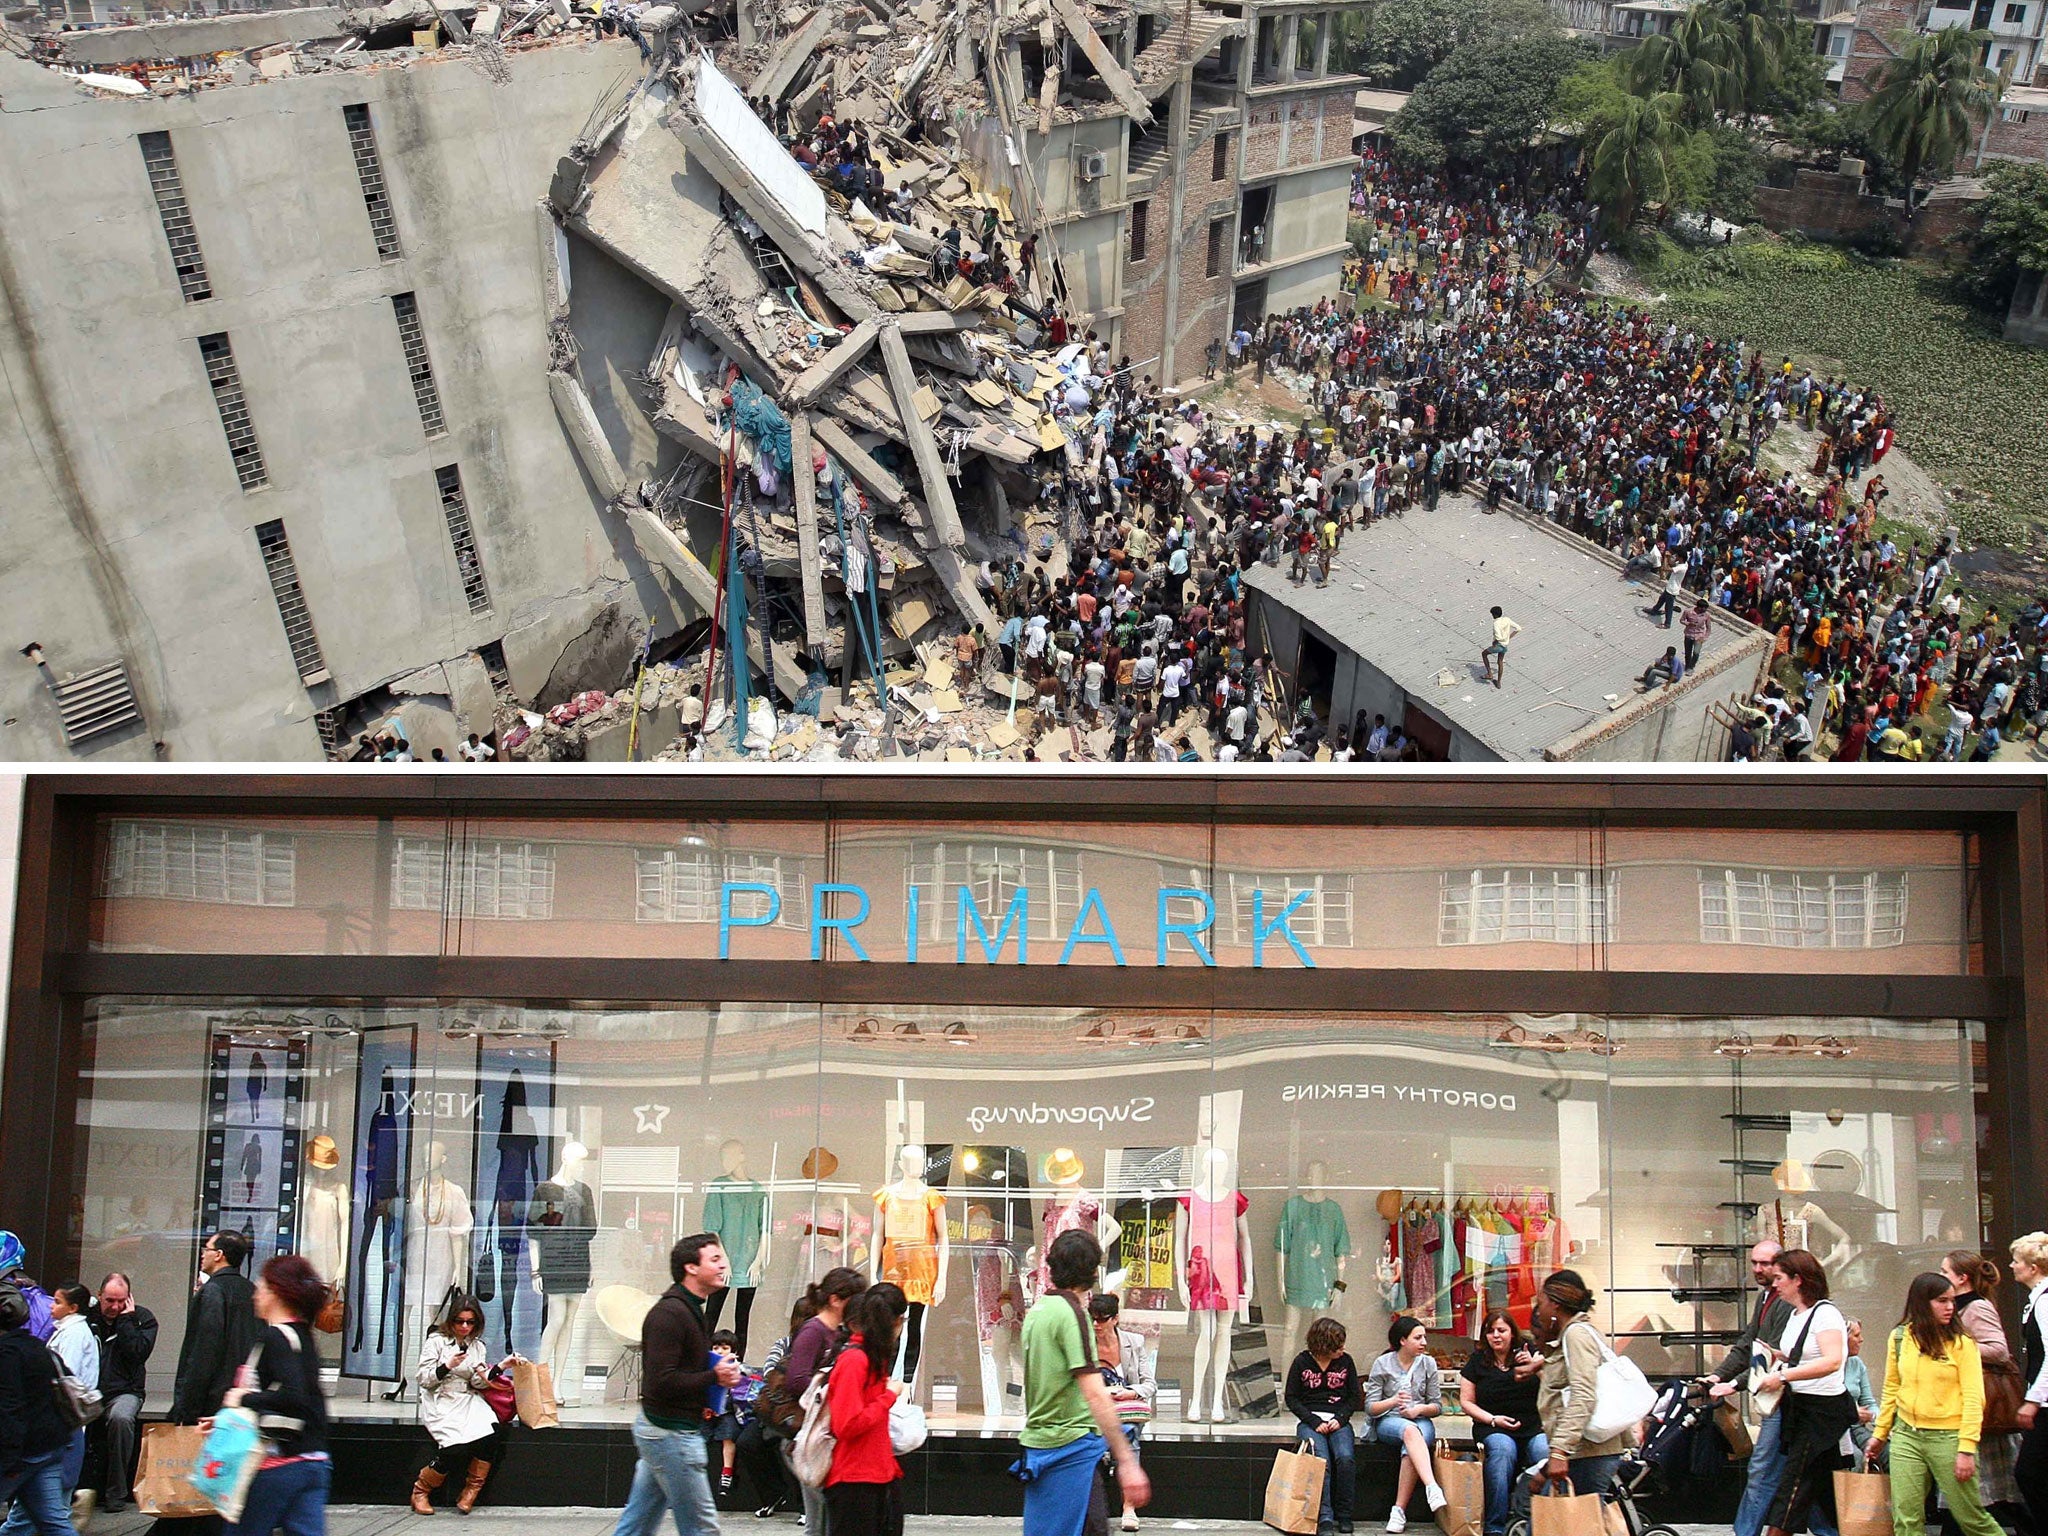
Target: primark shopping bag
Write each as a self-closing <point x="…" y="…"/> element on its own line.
<point x="1294" y="1493"/>
<point x="1863" y="1504"/>
<point x="1462" y="1476"/>
<point x="163" y="1472"/>
<point x="533" y="1389"/>
<point x="1575" y="1514"/>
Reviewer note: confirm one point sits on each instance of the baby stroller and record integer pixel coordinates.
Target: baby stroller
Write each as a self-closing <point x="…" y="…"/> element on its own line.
<point x="1677" y="1437"/>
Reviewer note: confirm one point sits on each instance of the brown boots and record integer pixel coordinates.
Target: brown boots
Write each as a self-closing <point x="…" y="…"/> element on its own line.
<point x="473" y="1486"/>
<point x="423" y="1488"/>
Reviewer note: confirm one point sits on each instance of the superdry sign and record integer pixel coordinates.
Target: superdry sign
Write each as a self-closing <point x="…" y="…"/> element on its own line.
<point x="994" y="938"/>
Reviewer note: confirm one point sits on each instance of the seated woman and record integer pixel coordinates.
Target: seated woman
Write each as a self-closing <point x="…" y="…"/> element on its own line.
<point x="1403" y="1393"/>
<point x="1323" y="1392"/>
<point x="1502" y="1406"/>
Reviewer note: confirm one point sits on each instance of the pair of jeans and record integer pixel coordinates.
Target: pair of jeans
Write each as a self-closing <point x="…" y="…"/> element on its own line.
<point x="1506" y="1456"/>
<point x="1766" y="1471"/>
<point x="816" y="1516"/>
<point x="123" y="1421"/>
<point x="1666" y="604"/>
<point x="38" y="1495"/>
<point x="74" y="1461"/>
<point x="674" y="1472"/>
<point x="1340" y="1486"/>
<point x="1923" y="1456"/>
<point x="291" y="1498"/>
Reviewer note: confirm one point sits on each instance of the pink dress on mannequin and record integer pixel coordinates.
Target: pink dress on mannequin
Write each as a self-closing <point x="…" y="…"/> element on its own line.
<point x="1214" y="1281"/>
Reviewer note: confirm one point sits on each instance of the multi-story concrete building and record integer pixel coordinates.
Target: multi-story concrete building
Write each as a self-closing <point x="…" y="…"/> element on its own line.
<point x="281" y="437"/>
<point x="2019" y="128"/>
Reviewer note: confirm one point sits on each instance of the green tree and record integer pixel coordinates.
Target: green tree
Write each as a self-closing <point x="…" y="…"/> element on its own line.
<point x="1928" y="99"/>
<point x="1643" y="154"/>
<point x="1696" y="60"/>
<point x="1485" y="103"/>
<point x="1762" y="36"/>
<point x="1398" y="42"/>
<point x="2013" y="237"/>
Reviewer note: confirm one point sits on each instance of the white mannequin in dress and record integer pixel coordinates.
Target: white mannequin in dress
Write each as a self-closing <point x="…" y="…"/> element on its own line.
<point x="438" y="1224"/>
<point x="911" y="1189"/>
<point x="1214" y="1182"/>
<point x="1312" y="1191"/>
<point x="558" y="1338"/>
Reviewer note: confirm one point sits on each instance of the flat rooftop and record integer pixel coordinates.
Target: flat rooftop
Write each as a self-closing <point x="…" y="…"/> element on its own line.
<point x="1411" y="596"/>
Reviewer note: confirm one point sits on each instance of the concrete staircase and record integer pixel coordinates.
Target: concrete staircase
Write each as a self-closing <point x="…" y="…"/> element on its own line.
<point x="1189" y="36"/>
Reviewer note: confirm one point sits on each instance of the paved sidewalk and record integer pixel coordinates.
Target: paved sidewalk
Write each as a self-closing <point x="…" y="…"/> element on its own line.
<point x="392" y="1520"/>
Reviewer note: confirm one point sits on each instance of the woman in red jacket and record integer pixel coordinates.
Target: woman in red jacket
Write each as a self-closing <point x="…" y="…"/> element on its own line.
<point x="863" y="1496"/>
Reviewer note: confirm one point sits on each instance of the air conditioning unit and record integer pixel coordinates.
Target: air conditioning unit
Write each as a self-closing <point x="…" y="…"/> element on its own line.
<point x="1094" y="166"/>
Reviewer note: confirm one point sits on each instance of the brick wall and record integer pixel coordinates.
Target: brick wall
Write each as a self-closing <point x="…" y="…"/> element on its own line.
<point x="1824" y="206"/>
<point x="1205" y="302"/>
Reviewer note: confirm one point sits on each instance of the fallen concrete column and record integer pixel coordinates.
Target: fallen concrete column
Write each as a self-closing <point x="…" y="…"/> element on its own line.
<point x="859" y="463"/>
<point x="804" y="485"/>
<point x="820" y="376"/>
<point x="1114" y="75"/>
<point x="780" y="70"/>
<point x="958" y="581"/>
<point x="658" y="545"/>
<point x="585" y="435"/>
<point x="938" y="322"/>
<point x="931" y="469"/>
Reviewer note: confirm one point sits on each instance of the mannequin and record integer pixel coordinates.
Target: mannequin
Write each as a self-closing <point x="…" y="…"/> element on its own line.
<point x="1070" y="1208"/>
<point x="736" y="1208"/>
<point x="561" y="1227"/>
<point x="1212" y="1247"/>
<point x="913" y="1250"/>
<point x="998" y="1309"/>
<point x="1312" y="1243"/>
<point x="438" y="1224"/>
<point x="326" y="1200"/>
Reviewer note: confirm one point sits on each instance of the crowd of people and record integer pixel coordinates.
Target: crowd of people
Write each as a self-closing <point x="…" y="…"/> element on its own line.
<point x="1481" y="366"/>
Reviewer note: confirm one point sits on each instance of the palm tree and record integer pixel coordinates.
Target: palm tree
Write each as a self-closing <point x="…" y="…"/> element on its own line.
<point x="1635" y="157"/>
<point x="1928" y="99"/>
<point x="1760" y="32"/>
<point x="1695" y="59"/>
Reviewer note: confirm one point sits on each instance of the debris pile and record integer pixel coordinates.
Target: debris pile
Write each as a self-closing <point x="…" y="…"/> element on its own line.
<point x="862" y="361"/>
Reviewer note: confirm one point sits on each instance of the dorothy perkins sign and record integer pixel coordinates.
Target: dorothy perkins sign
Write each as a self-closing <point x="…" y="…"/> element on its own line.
<point x="1183" y="910"/>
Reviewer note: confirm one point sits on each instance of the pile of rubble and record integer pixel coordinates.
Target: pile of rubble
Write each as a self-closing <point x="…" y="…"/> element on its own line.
<point x="860" y="419"/>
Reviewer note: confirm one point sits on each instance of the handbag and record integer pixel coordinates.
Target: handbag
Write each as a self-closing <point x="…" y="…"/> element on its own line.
<point x="1622" y="1395"/>
<point x="777" y="1407"/>
<point x="228" y="1460"/>
<point x="334" y="1309"/>
<point x="77" y="1404"/>
<point x="907" y="1427"/>
<point x="2003" y="1395"/>
<point x="502" y="1397"/>
<point x="1767" y="1399"/>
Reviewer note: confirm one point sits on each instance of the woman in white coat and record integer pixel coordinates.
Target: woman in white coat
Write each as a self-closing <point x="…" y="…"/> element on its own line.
<point x="454" y="1369"/>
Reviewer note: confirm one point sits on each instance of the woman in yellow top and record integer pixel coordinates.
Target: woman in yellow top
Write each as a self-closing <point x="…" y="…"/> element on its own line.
<point x="1933" y="1410"/>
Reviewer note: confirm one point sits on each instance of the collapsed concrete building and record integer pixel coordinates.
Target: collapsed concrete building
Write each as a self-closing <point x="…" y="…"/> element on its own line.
<point x="494" y="313"/>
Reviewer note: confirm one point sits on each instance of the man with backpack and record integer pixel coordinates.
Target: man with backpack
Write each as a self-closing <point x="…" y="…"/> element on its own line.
<point x="1070" y="1419"/>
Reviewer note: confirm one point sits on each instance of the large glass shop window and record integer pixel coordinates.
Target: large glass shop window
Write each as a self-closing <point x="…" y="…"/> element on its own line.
<point x="1244" y="1173"/>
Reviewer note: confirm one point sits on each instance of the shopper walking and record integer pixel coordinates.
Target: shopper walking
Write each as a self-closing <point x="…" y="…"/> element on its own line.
<point x="820" y="1314"/>
<point x="282" y="1389"/>
<point x="32" y="1435"/>
<point x="1069" y="1420"/>
<point x="1816" y="1408"/>
<point x="863" y="1491"/>
<point x="1404" y="1392"/>
<point x="1932" y="1411"/>
<point x="454" y="1369"/>
<point x="127" y="1335"/>
<point x="15" y="1276"/>
<point x="2030" y="1470"/>
<point x="1766" y="1323"/>
<point x="1975" y="1279"/>
<point x="221" y="1329"/>
<point x="677" y="1374"/>
<point x="1500" y="1399"/>
<point x="72" y="1341"/>
<point x="1573" y="1350"/>
<point x="1323" y="1391"/>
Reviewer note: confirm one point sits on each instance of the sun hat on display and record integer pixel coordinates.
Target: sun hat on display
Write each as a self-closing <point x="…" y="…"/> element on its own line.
<point x="322" y="1153"/>
<point x="1060" y="1166"/>
<point x="819" y="1164"/>
<point x="1388" y="1204"/>
<point x="1791" y="1177"/>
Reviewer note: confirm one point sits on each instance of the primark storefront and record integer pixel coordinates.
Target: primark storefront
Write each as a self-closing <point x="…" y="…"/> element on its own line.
<point x="1293" y="1046"/>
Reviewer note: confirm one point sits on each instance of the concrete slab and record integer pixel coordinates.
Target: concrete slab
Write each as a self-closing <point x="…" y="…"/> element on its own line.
<point x="211" y="34"/>
<point x="532" y="650"/>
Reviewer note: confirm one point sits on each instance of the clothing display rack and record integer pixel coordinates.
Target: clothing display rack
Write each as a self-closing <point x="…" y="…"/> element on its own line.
<point x="1457" y="1256"/>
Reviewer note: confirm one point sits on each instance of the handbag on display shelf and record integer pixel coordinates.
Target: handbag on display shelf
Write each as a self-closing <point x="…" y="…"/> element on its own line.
<point x="334" y="1309"/>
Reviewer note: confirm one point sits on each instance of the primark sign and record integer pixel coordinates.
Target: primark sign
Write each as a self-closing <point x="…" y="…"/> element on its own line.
<point x="993" y="937"/>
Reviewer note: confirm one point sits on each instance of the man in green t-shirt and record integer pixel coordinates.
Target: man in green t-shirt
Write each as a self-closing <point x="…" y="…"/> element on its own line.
<point x="1069" y="1420"/>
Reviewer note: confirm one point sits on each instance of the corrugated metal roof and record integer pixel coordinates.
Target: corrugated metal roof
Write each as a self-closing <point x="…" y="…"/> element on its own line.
<point x="1411" y="595"/>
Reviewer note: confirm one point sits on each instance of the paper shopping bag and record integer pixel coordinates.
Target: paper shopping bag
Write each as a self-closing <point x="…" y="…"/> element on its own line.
<point x="163" y="1472"/>
<point x="533" y="1388"/>
<point x="1863" y="1504"/>
<point x="1734" y="1429"/>
<point x="1294" y="1493"/>
<point x="1575" y="1514"/>
<point x="1462" y="1476"/>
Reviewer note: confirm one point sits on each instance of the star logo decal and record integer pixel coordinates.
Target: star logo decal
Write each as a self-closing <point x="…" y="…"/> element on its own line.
<point x="650" y="1117"/>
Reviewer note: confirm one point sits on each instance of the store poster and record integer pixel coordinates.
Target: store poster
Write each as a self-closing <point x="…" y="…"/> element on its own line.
<point x="514" y="1152"/>
<point x="373" y="1331"/>
<point x="1142" y="1186"/>
<point x="255" y="1088"/>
